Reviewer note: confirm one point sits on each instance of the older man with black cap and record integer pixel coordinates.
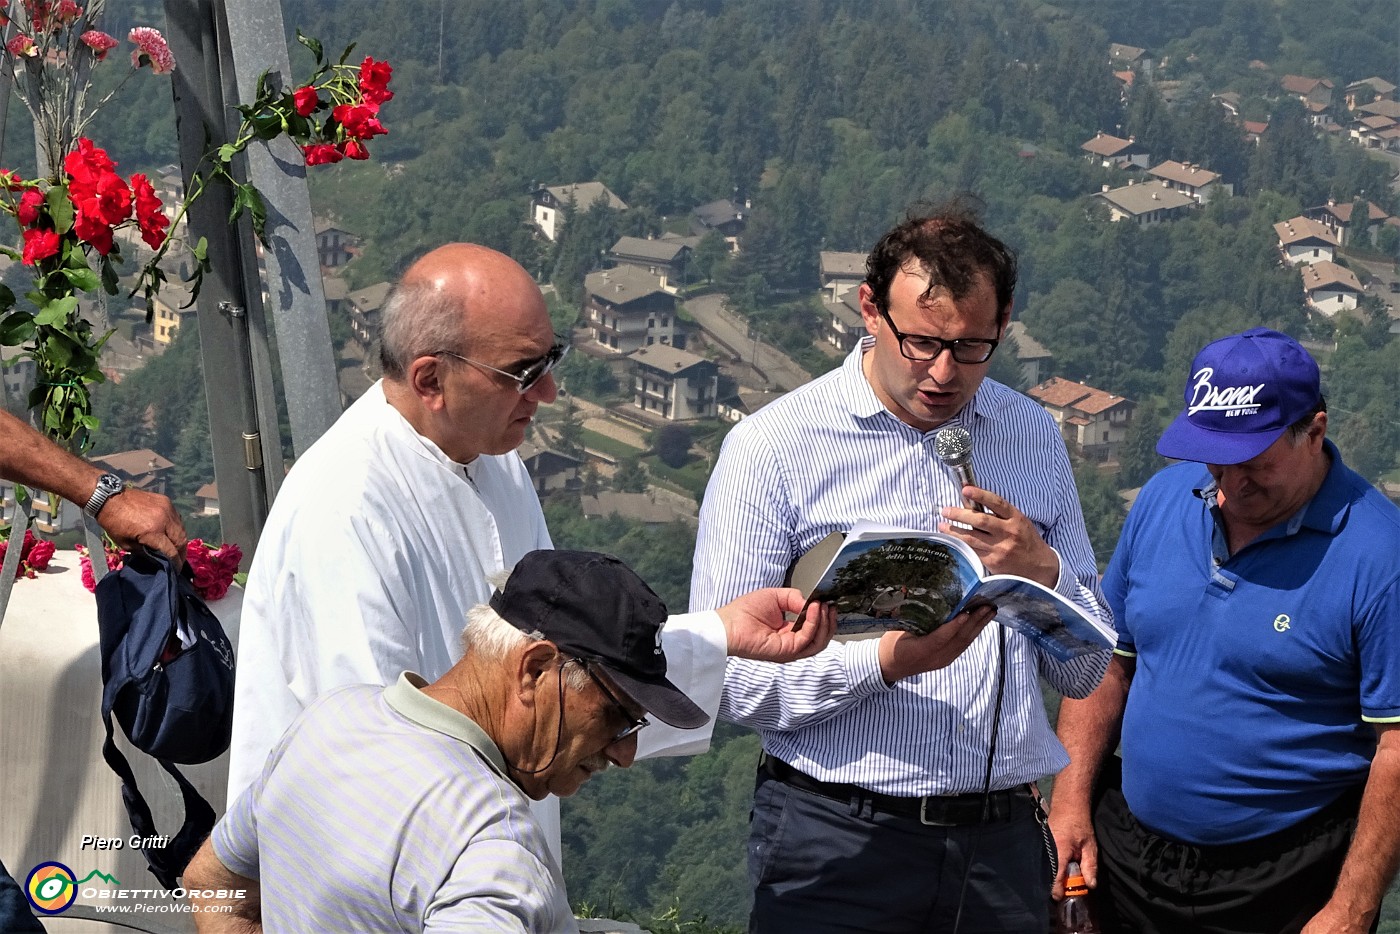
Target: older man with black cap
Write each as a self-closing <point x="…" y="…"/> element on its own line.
<point x="1256" y="684"/>
<point x="406" y="808"/>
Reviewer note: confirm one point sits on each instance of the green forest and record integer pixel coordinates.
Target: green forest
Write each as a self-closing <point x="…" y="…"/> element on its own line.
<point x="833" y="117"/>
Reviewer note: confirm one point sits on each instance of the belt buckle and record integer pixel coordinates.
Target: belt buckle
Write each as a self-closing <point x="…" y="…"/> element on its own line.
<point x="923" y="813"/>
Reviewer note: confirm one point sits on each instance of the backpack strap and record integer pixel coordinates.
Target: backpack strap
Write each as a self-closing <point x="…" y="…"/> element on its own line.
<point x="166" y="863"/>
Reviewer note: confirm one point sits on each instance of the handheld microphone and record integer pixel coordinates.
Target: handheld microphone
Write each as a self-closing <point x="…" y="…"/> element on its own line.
<point x="954" y="447"/>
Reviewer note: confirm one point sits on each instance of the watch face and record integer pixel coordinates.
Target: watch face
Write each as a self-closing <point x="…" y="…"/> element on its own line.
<point x="110" y="483"/>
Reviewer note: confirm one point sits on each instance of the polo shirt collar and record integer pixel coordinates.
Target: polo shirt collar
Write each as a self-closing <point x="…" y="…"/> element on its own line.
<point x="862" y="402"/>
<point x="1325" y="512"/>
<point x="405" y="696"/>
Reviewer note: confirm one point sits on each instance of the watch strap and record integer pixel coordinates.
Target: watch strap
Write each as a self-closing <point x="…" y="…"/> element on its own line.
<point x="108" y="485"/>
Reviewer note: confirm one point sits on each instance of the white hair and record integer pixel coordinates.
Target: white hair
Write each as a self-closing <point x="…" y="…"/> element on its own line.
<point x="492" y="638"/>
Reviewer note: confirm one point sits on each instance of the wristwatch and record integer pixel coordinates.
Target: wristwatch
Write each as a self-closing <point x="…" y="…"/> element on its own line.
<point x="108" y="485"/>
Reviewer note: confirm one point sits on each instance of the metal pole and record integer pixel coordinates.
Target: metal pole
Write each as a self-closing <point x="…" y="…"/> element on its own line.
<point x="202" y="117"/>
<point x="252" y="444"/>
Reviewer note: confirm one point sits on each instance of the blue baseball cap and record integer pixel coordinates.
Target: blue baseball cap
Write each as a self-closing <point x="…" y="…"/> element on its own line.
<point x="1244" y="392"/>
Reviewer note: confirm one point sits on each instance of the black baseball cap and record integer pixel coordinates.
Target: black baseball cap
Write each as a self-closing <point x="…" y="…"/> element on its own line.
<point x="594" y="607"/>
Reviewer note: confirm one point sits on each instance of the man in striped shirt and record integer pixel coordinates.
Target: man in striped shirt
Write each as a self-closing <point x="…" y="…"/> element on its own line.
<point x="406" y="808"/>
<point x="895" y="789"/>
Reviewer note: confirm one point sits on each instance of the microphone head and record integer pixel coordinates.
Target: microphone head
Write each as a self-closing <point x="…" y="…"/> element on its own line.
<point x="953" y="445"/>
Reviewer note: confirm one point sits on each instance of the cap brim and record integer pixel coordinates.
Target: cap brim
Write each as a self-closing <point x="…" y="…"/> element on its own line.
<point x="1185" y="441"/>
<point x="664" y="701"/>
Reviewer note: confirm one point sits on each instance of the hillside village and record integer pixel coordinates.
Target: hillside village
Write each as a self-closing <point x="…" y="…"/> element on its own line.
<point x="652" y="316"/>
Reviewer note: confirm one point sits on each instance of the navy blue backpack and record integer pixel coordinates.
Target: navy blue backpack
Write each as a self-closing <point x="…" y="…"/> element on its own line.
<point x="167" y="677"/>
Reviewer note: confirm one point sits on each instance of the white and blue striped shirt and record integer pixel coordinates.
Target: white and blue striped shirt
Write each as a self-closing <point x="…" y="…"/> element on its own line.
<point x="814" y="462"/>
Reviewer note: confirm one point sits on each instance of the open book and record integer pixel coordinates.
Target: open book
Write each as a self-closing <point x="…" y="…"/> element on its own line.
<point x="885" y="578"/>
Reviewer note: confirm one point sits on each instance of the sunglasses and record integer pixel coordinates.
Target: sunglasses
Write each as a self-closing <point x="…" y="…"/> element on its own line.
<point x="528" y="375"/>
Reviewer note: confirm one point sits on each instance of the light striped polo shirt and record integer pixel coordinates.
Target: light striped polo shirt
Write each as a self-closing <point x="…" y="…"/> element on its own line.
<point x="376" y="812"/>
<point x="816" y="461"/>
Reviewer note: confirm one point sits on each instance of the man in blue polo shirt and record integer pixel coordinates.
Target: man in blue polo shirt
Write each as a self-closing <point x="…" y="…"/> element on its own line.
<point x="1256" y="685"/>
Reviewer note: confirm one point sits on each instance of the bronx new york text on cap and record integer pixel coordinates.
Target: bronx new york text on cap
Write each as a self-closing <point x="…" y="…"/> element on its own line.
<point x="592" y="606"/>
<point x="1244" y="392"/>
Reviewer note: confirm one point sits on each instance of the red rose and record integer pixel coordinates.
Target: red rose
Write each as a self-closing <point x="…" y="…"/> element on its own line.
<point x="11" y="180"/>
<point x="39" y="245"/>
<point x="91" y="230"/>
<point x="40" y="555"/>
<point x="305" y="100"/>
<point x="354" y="149"/>
<point x="321" y="154"/>
<point x="87" y="161"/>
<point x="359" y="120"/>
<point x="107" y="199"/>
<point x="374" y="81"/>
<point x="29" y="203"/>
<point x="149" y="216"/>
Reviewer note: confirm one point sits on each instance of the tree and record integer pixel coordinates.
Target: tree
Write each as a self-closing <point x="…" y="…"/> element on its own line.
<point x="711" y="255"/>
<point x="569" y="439"/>
<point x="1103" y="510"/>
<point x="587" y="377"/>
<point x="671" y="443"/>
<point x="631" y="476"/>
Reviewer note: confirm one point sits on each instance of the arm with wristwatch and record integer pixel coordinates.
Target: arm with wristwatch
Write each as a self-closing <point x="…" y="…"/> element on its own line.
<point x="128" y="515"/>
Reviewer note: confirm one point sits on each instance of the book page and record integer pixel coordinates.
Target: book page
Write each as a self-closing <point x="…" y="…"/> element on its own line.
<point x="1055" y="623"/>
<point x="884" y="583"/>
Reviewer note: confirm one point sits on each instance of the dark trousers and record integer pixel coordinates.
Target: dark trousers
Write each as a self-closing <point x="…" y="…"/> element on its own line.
<point x="15" y="915"/>
<point x="822" y="866"/>
<point x="1274" y="885"/>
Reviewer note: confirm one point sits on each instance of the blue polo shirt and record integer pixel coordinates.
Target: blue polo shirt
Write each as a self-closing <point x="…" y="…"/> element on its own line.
<point x="1259" y="673"/>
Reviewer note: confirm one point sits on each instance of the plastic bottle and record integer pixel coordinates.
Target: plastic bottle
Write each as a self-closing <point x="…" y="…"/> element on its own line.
<point x="1075" y="913"/>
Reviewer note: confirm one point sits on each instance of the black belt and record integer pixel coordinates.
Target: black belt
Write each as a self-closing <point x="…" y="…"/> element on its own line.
<point x="939" y="810"/>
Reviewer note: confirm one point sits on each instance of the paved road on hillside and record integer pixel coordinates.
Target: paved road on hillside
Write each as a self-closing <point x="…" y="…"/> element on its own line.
<point x="1385" y="274"/>
<point x="731" y="330"/>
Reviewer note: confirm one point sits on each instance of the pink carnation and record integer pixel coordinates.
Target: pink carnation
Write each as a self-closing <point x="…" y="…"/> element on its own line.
<point x="65" y="14"/>
<point x="99" y="42"/>
<point x="151" y="47"/>
<point x="22" y="45"/>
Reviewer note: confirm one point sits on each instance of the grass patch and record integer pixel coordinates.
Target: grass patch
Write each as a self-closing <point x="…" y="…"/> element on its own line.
<point x="610" y="446"/>
<point x="689" y="479"/>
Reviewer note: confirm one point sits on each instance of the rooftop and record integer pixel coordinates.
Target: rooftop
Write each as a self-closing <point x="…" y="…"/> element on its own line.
<point x="585" y="194"/>
<point x="1328" y="275"/>
<point x="667" y="359"/>
<point x="621" y="285"/>
<point x="1301" y="229"/>
<point x="1185" y="173"/>
<point x="662" y="251"/>
<point x="1144" y="199"/>
<point x="1107" y="145"/>
<point x="842" y="265"/>
<point x="1066" y="394"/>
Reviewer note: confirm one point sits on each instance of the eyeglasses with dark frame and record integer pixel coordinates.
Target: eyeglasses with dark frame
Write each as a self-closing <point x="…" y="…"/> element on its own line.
<point x="529" y="374"/>
<point x="925" y="347"/>
<point x="634" y="724"/>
